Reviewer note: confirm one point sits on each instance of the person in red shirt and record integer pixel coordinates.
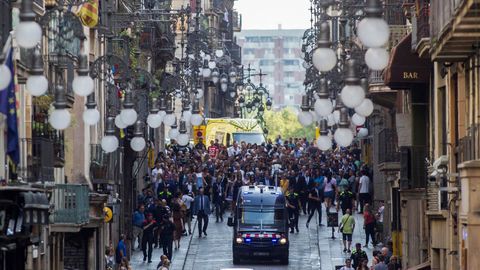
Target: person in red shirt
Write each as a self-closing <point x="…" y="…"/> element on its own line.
<point x="213" y="149"/>
<point x="368" y="224"/>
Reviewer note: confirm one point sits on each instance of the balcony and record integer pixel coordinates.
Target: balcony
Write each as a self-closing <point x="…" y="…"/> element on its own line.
<point x="388" y="143"/>
<point x="71" y="205"/>
<point x="413" y="169"/>
<point x="469" y="146"/>
<point x="421" y="29"/>
<point x="454" y="29"/>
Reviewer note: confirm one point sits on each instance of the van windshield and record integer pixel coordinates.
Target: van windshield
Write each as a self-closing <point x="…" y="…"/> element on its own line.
<point x="255" y="219"/>
<point x="252" y="138"/>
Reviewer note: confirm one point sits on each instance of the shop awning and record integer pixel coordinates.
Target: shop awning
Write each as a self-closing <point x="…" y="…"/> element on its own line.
<point x="405" y="69"/>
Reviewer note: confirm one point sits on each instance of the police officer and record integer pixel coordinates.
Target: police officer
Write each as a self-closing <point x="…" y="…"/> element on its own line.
<point x="346" y="200"/>
<point x="358" y="255"/>
<point x="293" y="204"/>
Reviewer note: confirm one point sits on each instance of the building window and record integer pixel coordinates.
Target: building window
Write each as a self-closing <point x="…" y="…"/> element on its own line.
<point x="266" y="62"/>
<point x="248" y="51"/>
<point x="291" y="62"/>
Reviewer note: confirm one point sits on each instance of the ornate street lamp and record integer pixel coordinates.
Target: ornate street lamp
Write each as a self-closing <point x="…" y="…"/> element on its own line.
<point x="82" y="84"/>
<point x="196" y="118"/>
<point x="128" y="114"/>
<point x="37" y="83"/>
<point x="91" y="115"/>
<point x="109" y="141"/>
<point x="352" y="93"/>
<point x="324" y="58"/>
<point x="323" y="105"/>
<point x="324" y="142"/>
<point x="305" y="117"/>
<point x="138" y="142"/>
<point x="28" y="33"/>
<point x="183" y="138"/>
<point x="60" y="117"/>
<point x="154" y="119"/>
<point x="343" y="135"/>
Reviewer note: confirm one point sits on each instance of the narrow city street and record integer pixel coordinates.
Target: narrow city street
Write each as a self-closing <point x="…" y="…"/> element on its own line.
<point x="311" y="248"/>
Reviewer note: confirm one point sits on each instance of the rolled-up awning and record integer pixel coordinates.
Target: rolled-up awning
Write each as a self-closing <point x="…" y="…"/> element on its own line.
<point x="405" y="69"/>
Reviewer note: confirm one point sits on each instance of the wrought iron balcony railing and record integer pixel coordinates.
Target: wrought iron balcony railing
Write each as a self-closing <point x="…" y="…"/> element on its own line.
<point x="468" y="147"/>
<point x="71" y="204"/>
<point x="420" y="24"/>
<point x="388" y="144"/>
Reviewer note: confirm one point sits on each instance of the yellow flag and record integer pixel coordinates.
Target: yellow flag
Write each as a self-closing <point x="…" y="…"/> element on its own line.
<point x="88" y="13"/>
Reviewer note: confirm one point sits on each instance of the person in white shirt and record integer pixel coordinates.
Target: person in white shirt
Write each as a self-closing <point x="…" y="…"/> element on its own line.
<point x="157" y="173"/>
<point x="187" y="200"/>
<point x="234" y="150"/>
<point x="363" y="190"/>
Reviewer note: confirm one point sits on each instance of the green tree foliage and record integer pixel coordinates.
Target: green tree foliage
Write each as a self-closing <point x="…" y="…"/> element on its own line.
<point x="285" y="124"/>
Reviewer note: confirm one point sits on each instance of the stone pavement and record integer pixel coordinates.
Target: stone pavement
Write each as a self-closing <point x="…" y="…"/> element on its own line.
<point x="312" y="250"/>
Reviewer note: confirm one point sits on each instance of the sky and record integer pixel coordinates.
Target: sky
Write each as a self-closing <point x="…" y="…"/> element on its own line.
<point x="268" y="14"/>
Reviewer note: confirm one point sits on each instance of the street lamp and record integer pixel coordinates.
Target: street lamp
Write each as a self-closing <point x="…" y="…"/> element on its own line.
<point x="154" y="119"/>
<point x="365" y="108"/>
<point x="138" y="142"/>
<point x="37" y="83"/>
<point x="373" y="31"/>
<point x="109" y="141"/>
<point x="82" y="84"/>
<point x="352" y="93"/>
<point x="183" y="137"/>
<point x="323" y="105"/>
<point x="60" y="117"/>
<point x="28" y="33"/>
<point x="91" y="115"/>
<point x="196" y="118"/>
<point x="169" y="118"/>
<point x="173" y="132"/>
<point x="343" y="135"/>
<point x="305" y="117"/>
<point x="128" y="114"/>
<point x="324" y="142"/>
<point x="324" y="58"/>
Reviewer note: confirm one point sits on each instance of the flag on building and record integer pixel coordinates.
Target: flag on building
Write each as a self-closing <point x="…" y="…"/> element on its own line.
<point x="8" y="107"/>
<point x="87" y="12"/>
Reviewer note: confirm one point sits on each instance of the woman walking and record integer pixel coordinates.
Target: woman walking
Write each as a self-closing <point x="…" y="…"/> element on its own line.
<point x="368" y="224"/>
<point x="178" y="215"/>
<point x="329" y="190"/>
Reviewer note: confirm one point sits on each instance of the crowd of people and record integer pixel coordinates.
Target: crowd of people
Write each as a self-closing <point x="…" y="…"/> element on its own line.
<point x="197" y="181"/>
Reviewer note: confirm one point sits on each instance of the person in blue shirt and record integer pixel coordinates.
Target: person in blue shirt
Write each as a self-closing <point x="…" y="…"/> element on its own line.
<point x="121" y="251"/>
<point x="138" y="218"/>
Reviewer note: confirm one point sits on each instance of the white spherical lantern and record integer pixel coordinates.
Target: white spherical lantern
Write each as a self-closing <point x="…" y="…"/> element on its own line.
<point x="91" y="116"/>
<point x="196" y="119"/>
<point x="323" y="107"/>
<point x="137" y="144"/>
<point x="362" y="133"/>
<point x="60" y="119"/>
<point x="373" y="32"/>
<point x="5" y="76"/>
<point x="129" y="116"/>
<point x="199" y="93"/>
<point x="324" y="143"/>
<point x="36" y="85"/>
<point x="169" y="119"/>
<point x="305" y="118"/>
<point x="343" y="136"/>
<point x="183" y="139"/>
<point x="324" y="59"/>
<point x="206" y="72"/>
<point x="119" y="122"/>
<point x="358" y="120"/>
<point x="376" y="58"/>
<point x="212" y="64"/>
<point x="365" y="108"/>
<point x="109" y="143"/>
<point x="352" y="95"/>
<point x="82" y="85"/>
<point x="218" y="53"/>
<point x="173" y="133"/>
<point x="162" y="114"/>
<point x="28" y="34"/>
<point x="224" y="87"/>
<point x="154" y="120"/>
